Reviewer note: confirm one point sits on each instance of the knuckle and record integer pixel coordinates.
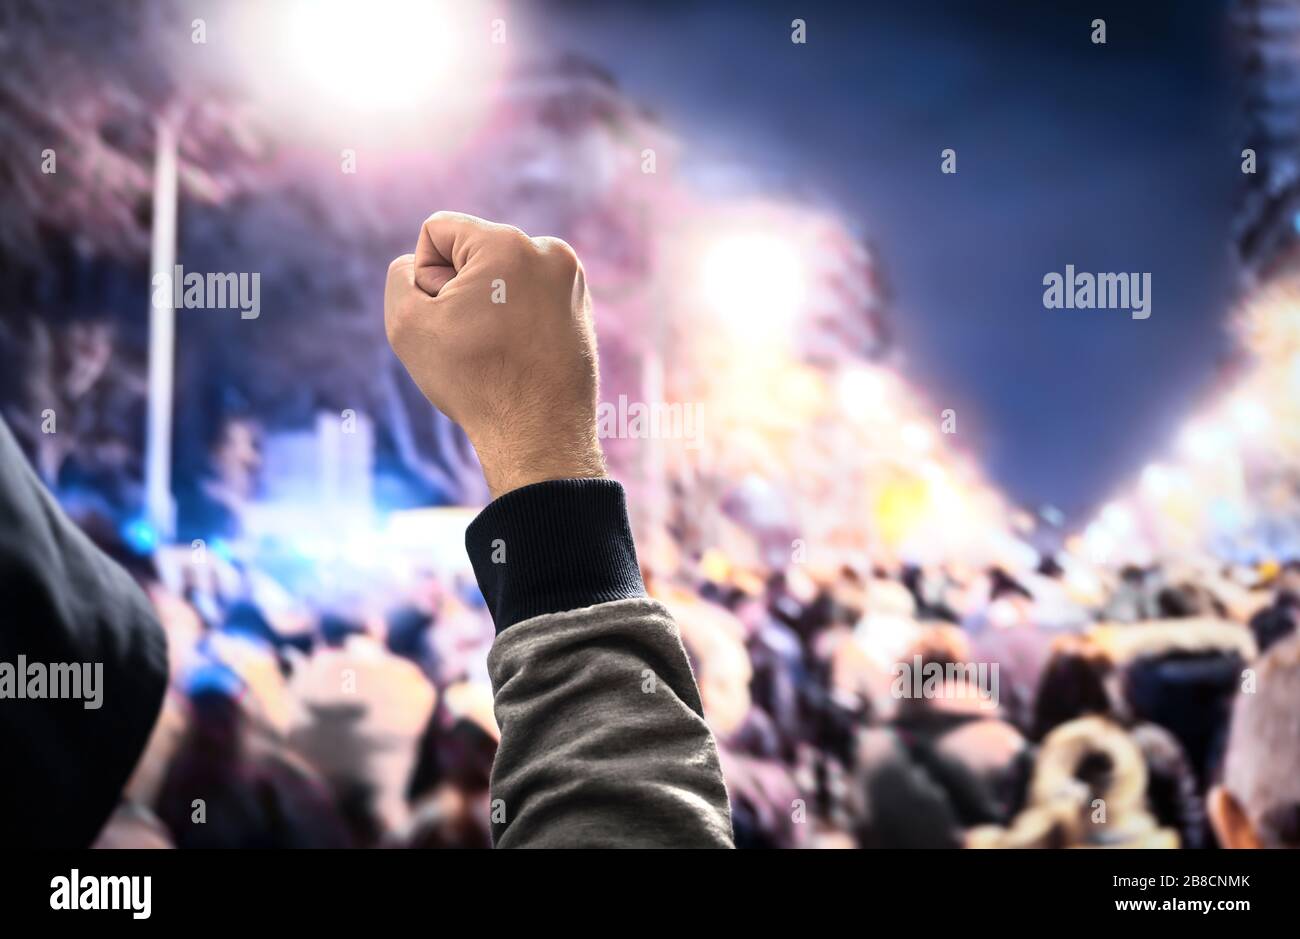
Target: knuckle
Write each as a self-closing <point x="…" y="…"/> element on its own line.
<point x="442" y="215"/>
<point x="558" y="252"/>
<point x="513" y="236"/>
<point x="511" y="242"/>
<point x="445" y="221"/>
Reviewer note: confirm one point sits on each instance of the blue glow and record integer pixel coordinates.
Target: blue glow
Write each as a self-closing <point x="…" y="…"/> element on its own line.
<point x="140" y="536"/>
<point x="214" y="677"/>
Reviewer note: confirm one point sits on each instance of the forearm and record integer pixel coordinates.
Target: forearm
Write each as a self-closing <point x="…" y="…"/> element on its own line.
<point x="603" y="742"/>
<point x="602" y="738"/>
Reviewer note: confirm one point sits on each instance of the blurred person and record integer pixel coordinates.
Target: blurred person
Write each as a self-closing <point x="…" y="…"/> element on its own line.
<point x="1133" y="598"/>
<point x="1188" y="600"/>
<point x="1081" y="681"/>
<point x="779" y="671"/>
<point x="1172" y="796"/>
<point x="1089" y="790"/>
<point x="714" y="639"/>
<point x="133" y="827"/>
<point x="69" y="610"/>
<point x="944" y="758"/>
<point x="232" y="786"/>
<point x="459" y="641"/>
<point x="169" y="732"/>
<point x="1055" y="610"/>
<point x="447" y="817"/>
<point x="800" y="603"/>
<point x="1288" y="578"/>
<point x="1183" y="674"/>
<point x="928" y="590"/>
<point x="71" y="372"/>
<point x="1276" y="621"/>
<point x="361" y="712"/>
<point x="998" y="601"/>
<point x="1235" y="590"/>
<point x="181" y="622"/>
<point x="214" y="502"/>
<point x="410" y="623"/>
<point x="714" y="642"/>
<point x="765" y="802"/>
<point x="587" y="756"/>
<point x="1257" y="805"/>
<point x="1074" y="683"/>
<point x="456" y="746"/>
<point x="407" y="635"/>
<point x="882" y="637"/>
<point x="449" y="790"/>
<point x="245" y="647"/>
<point x="1022" y="651"/>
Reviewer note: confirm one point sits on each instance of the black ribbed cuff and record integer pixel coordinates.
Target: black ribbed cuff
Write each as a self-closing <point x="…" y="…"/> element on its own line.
<point x="554" y="546"/>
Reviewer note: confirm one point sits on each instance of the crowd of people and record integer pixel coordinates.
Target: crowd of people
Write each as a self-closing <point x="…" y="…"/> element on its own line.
<point x="1045" y="711"/>
<point x="1060" y="707"/>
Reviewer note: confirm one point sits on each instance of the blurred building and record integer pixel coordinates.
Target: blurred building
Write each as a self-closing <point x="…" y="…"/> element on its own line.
<point x="1267" y="236"/>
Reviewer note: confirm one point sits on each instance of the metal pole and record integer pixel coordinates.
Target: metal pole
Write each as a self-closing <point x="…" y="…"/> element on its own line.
<point x="159" y="508"/>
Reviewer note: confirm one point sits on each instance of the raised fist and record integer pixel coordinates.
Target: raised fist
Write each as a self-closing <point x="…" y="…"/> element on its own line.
<point x="495" y="328"/>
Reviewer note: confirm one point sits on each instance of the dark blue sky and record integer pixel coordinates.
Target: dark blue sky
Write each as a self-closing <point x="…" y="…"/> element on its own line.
<point x="1120" y="157"/>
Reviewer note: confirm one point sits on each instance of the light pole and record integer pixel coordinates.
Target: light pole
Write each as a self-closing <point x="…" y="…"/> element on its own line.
<point x="349" y="59"/>
<point x="160" y="510"/>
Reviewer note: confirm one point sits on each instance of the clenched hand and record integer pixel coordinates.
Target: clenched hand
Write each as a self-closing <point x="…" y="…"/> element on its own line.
<point x="495" y="328"/>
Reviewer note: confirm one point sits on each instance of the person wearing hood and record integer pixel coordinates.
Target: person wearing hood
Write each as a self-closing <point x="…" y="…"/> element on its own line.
<point x="83" y="669"/>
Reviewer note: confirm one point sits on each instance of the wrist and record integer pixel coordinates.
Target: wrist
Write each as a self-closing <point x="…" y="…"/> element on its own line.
<point x="557" y="546"/>
<point x="507" y="468"/>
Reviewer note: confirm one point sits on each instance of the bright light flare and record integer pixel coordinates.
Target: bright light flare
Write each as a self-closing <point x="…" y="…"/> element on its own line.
<point x="1156" y="481"/>
<point x="1098" y="543"/>
<point x="863" y="389"/>
<point x="1249" y="415"/>
<point x="1117" y="519"/>
<point x="1204" y="441"/>
<point x="381" y="55"/>
<point x="755" y="282"/>
<point x="918" y="438"/>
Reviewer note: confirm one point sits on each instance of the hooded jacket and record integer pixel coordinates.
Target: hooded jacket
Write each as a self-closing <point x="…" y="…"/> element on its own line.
<point x="83" y="668"/>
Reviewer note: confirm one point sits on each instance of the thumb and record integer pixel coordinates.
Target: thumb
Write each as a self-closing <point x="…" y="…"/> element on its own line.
<point x="446" y="243"/>
<point x="432" y="278"/>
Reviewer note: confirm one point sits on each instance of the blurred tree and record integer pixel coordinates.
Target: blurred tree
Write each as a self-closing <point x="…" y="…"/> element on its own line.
<point x="82" y="89"/>
<point x="80" y="93"/>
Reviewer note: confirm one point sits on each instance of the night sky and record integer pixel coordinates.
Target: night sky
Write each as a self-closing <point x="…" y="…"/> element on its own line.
<point x="1122" y="157"/>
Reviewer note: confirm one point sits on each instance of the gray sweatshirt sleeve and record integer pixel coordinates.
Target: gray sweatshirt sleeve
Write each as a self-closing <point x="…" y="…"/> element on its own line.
<point x="603" y="742"/>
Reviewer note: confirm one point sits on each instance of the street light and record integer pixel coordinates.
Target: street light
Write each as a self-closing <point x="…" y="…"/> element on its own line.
<point x="384" y="58"/>
<point x="380" y="56"/>
<point x="160" y="511"/>
<point x="755" y="282"/>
